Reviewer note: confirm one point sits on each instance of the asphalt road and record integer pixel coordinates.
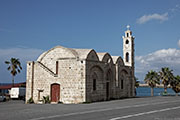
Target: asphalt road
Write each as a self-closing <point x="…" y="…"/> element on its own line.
<point x="148" y="108"/>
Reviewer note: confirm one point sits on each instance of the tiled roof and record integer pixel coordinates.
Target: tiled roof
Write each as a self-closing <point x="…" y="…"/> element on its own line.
<point x="10" y="86"/>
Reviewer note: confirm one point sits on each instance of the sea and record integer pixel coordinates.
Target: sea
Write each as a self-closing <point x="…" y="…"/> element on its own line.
<point x="146" y="91"/>
<point x="141" y="91"/>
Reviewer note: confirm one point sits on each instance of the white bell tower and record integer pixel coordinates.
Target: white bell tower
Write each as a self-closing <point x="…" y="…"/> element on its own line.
<point x="128" y="48"/>
<point x="128" y="56"/>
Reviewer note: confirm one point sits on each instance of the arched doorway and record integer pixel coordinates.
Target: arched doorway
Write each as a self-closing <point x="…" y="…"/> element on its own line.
<point x="108" y="84"/>
<point x="55" y="92"/>
<point x="124" y="78"/>
<point x="95" y="84"/>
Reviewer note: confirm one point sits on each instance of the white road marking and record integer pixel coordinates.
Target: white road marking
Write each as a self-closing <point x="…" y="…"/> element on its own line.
<point x="101" y="110"/>
<point x="144" y="113"/>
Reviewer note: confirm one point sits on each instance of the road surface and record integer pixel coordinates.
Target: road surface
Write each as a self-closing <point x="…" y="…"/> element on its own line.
<point x="147" y="108"/>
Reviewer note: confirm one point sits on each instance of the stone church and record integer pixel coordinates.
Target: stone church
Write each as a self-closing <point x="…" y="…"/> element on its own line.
<point x="82" y="75"/>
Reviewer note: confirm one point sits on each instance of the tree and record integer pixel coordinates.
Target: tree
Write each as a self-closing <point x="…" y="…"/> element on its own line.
<point x="175" y="84"/>
<point x="14" y="66"/>
<point x="166" y="76"/>
<point x="152" y="78"/>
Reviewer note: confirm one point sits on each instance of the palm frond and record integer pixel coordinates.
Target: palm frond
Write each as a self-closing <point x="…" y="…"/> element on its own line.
<point x="14" y="66"/>
<point x="7" y="62"/>
<point x="152" y="78"/>
<point x="9" y="68"/>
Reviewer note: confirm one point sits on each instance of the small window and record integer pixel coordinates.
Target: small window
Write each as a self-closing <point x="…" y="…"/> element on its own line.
<point x="57" y="67"/>
<point x="122" y="84"/>
<point x="127" y="34"/>
<point x="127" y="57"/>
<point x="94" y="84"/>
<point x="127" y="41"/>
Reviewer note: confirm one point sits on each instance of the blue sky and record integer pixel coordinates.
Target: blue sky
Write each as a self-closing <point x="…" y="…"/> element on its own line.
<point x="27" y="28"/>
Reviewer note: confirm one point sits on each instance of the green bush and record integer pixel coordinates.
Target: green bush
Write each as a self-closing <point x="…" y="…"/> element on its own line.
<point x="30" y="101"/>
<point x="46" y="99"/>
<point x="164" y="93"/>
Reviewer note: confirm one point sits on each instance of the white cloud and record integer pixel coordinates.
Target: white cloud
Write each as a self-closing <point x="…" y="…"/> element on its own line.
<point x="179" y="43"/>
<point x="24" y="55"/>
<point x="21" y="53"/>
<point x="155" y="16"/>
<point x="156" y="60"/>
<point x="176" y="8"/>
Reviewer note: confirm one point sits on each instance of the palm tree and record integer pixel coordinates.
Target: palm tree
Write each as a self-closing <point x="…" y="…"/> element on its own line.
<point x="152" y="78"/>
<point x="14" y="66"/>
<point x="175" y="84"/>
<point x="166" y="76"/>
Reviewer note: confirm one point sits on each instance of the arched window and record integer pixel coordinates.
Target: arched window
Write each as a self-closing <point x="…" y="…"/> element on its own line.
<point x="124" y="76"/>
<point x="122" y="86"/>
<point x="127" y="57"/>
<point x="127" y="41"/>
<point x="94" y="84"/>
<point x="94" y="78"/>
<point x="57" y="67"/>
<point x="127" y="34"/>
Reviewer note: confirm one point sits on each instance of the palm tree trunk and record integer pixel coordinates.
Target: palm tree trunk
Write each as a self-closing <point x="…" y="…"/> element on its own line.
<point x="12" y="81"/>
<point x="152" y="92"/>
<point x="165" y="88"/>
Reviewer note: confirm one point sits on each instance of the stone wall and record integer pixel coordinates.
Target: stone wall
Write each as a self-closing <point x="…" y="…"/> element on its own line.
<point x="103" y="70"/>
<point x="29" y="80"/>
<point x="95" y="67"/>
<point x="71" y="78"/>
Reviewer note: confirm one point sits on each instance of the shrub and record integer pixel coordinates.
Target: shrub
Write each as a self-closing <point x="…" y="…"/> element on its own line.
<point x="30" y="101"/>
<point x="46" y="99"/>
<point x="164" y="94"/>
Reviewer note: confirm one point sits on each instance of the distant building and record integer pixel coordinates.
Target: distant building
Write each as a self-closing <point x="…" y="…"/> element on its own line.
<point x="4" y="88"/>
<point x="82" y="75"/>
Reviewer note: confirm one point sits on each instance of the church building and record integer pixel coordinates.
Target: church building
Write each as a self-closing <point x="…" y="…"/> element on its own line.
<point x="71" y="75"/>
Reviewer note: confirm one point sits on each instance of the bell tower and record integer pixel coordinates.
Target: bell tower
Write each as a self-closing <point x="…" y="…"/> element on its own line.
<point x="128" y="57"/>
<point x="128" y="48"/>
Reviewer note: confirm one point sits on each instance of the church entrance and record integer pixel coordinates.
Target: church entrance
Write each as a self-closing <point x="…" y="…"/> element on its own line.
<point x="55" y="92"/>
